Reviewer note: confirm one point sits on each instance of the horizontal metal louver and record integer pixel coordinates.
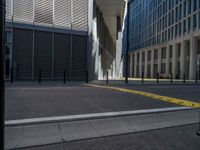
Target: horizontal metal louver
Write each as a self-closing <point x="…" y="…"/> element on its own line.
<point x="80" y="15"/>
<point x="8" y="9"/>
<point x="79" y="51"/>
<point x="62" y="13"/>
<point x="43" y="55"/>
<point x="22" y="53"/>
<point x="23" y="10"/>
<point x="44" y="11"/>
<point x="61" y="56"/>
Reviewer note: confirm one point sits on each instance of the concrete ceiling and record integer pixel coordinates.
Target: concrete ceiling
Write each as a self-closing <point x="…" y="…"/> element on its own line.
<point x="111" y="7"/>
<point x="110" y="10"/>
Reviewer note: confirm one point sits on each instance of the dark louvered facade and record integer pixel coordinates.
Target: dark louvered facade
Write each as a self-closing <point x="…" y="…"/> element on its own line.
<point x="48" y="35"/>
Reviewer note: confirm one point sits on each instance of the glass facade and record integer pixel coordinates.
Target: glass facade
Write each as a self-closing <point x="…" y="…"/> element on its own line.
<point x="153" y="22"/>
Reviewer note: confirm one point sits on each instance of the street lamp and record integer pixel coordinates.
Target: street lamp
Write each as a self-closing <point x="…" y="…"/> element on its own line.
<point x="127" y="43"/>
<point x="2" y="84"/>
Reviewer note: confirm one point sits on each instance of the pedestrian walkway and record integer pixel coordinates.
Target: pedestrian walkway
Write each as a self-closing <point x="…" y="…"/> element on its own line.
<point x="26" y="135"/>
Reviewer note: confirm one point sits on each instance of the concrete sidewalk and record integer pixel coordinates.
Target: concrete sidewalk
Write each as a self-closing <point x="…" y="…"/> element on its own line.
<point x="50" y="133"/>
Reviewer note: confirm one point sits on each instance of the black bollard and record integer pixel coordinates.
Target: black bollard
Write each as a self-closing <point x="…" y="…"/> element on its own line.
<point x="11" y="75"/>
<point x="87" y="80"/>
<point x="157" y="75"/>
<point x="40" y="75"/>
<point x="184" y="78"/>
<point x="196" y="78"/>
<point x="142" y="77"/>
<point x="107" y="78"/>
<point x="171" y="77"/>
<point x="64" y="76"/>
<point x="198" y="132"/>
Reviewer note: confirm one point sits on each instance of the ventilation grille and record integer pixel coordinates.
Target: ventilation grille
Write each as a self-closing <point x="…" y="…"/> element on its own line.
<point x="22" y="53"/>
<point x="44" y="11"/>
<point x="80" y="15"/>
<point x="23" y="10"/>
<point x="43" y="55"/>
<point x="62" y="13"/>
<point x="79" y="51"/>
<point x="61" y="56"/>
<point x="8" y="9"/>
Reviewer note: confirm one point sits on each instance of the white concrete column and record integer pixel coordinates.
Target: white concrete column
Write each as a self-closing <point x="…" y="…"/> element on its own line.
<point x="146" y="64"/>
<point x="131" y="65"/>
<point x="174" y="60"/>
<point x="183" y="58"/>
<point x="193" y="58"/>
<point x="167" y="59"/>
<point x="135" y="65"/>
<point x="140" y="64"/>
<point x="159" y="60"/>
<point x="152" y="63"/>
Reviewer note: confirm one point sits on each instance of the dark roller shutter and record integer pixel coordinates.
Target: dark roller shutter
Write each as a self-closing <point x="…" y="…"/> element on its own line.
<point x="78" y="64"/>
<point x="23" y="10"/>
<point x="80" y="15"/>
<point x="44" y="11"/>
<point x="61" y="55"/>
<point x="22" y="53"/>
<point x="43" y="55"/>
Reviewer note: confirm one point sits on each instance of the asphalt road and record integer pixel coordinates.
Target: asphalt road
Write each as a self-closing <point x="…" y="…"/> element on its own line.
<point x="31" y="100"/>
<point x="186" y="91"/>
<point x="176" y="138"/>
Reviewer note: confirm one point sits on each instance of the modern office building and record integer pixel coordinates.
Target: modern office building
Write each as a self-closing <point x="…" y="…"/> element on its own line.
<point x="164" y="38"/>
<point x="57" y="36"/>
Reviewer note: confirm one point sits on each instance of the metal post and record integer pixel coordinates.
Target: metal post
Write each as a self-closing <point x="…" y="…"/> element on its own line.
<point x="198" y="132"/>
<point x="11" y="75"/>
<point x="64" y="76"/>
<point x="2" y="82"/>
<point x="184" y="78"/>
<point x="196" y="78"/>
<point x="171" y="77"/>
<point x="127" y="43"/>
<point x="107" y="78"/>
<point x="40" y="75"/>
<point x="87" y="80"/>
<point x="157" y="77"/>
<point x="142" y="77"/>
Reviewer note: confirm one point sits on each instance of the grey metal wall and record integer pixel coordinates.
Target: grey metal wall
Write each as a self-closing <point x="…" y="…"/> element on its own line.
<point x="51" y="52"/>
<point x="22" y="53"/>
<point x="79" y="54"/>
<point x="43" y="54"/>
<point x="61" y="56"/>
<point x="68" y="14"/>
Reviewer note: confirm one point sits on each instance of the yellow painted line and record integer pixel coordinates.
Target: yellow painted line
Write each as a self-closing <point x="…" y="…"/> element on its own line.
<point x="178" y="101"/>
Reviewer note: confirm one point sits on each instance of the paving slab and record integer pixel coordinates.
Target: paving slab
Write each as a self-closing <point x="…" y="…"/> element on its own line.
<point x="77" y="130"/>
<point x="13" y="136"/>
<point x="39" y="135"/>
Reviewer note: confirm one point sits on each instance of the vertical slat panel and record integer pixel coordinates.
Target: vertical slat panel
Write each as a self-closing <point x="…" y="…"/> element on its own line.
<point x="44" y="11"/>
<point x="62" y="13"/>
<point x="43" y="54"/>
<point x="22" y="53"/>
<point x="8" y="9"/>
<point x="80" y="15"/>
<point x="23" y="10"/>
<point x="61" y="55"/>
<point x="78" y="65"/>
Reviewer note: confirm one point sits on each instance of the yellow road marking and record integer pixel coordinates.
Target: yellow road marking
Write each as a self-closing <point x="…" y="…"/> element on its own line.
<point x="178" y="101"/>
